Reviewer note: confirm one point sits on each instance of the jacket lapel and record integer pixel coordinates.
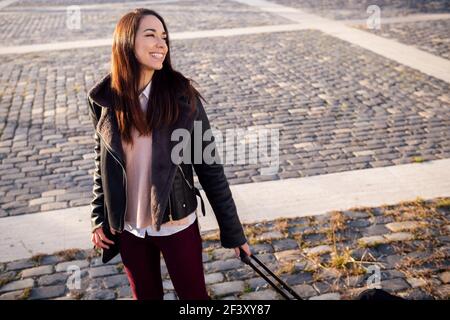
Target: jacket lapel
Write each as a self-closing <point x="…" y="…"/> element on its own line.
<point x="163" y="169"/>
<point x="108" y="129"/>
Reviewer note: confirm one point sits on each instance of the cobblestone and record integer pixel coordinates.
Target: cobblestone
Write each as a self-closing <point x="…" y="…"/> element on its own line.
<point x="391" y="274"/>
<point x="416" y="282"/>
<point x="374" y="230"/>
<point x="371" y="241"/>
<point x="13" y="295"/>
<point x="399" y="236"/>
<point x="271" y="235"/>
<point x="124" y="292"/>
<point x="53" y="279"/>
<point x="418" y="294"/>
<point x="257" y="283"/>
<point x="47" y="292"/>
<point x="260" y="295"/>
<point x="37" y="271"/>
<point x="63" y="266"/>
<point x="394" y="285"/>
<point x="100" y="295"/>
<point x="20" y="264"/>
<point x="214" y="278"/>
<point x="261" y="248"/>
<point x="115" y="281"/>
<point x="402" y="226"/>
<point x="16" y="285"/>
<point x="318" y="250"/>
<point x="328" y="296"/>
<point x="222" y="289"/>
<point x="298" y="278"/>
<point x="223" y="265"/>
<point x="286" y="244"/>
<point x="304" y="291"/>
<point x="443" y="292"/>
<point x="445" y="277"/>
<point x="102" y="271"/>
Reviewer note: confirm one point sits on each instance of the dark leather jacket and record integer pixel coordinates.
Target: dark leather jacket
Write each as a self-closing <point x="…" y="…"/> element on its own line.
<point x="173" y="195"/>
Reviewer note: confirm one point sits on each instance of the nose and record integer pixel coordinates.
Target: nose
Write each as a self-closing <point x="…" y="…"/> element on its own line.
<point x="162" y="43"/>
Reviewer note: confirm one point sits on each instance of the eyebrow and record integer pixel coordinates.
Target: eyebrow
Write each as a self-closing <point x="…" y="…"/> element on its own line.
<point x="154" y="31"/>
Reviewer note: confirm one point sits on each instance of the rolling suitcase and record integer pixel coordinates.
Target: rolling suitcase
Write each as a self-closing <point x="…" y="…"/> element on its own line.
<point x="248" y="260"/>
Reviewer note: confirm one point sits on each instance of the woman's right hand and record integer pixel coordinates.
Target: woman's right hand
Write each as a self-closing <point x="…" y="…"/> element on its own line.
<point x="99" y="239"/>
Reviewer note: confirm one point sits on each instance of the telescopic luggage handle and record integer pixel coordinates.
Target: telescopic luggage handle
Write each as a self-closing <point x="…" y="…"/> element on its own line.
<point x="246" y="259"/>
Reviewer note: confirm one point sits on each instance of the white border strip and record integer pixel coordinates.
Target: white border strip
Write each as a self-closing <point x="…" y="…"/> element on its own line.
<point x="405" y="19"/>
<point x="174" y="36"/>
<point x="5" y="3"/>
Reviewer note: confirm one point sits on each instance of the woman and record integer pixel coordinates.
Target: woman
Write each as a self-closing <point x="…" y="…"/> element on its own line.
<point x="144" y="203"/>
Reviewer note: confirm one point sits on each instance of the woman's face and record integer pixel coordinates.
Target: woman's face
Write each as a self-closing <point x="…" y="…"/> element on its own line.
<point x="150" y="45"/>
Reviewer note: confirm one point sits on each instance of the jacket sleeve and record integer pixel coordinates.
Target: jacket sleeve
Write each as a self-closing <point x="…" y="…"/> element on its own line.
<point x="215" y="185"/>
<point x="97" y="203"/>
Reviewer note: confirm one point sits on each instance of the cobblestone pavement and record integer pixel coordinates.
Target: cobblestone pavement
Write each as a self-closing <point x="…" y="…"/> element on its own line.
<point x="350" y="9"/>
<point x="332" y="256"/>
<point x="21" y="26"/>
<point x="430" y="36"/>
<point x="338" y="108"/>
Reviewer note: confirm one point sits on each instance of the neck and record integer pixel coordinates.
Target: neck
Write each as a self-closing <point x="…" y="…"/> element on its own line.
<point x="146" y="77"/>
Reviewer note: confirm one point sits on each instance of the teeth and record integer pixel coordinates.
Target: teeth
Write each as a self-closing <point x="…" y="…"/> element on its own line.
<point x="157" y="55"/>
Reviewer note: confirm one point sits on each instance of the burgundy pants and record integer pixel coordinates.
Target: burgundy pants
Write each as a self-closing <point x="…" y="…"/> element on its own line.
<point x="182" y="254"/>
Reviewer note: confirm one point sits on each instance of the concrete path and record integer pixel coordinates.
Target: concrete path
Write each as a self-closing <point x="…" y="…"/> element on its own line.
<point x="70" y="228"/>
<point x="66" y="45"/>
<point x="407" y="55"/>
<point x="5" y="3"/>
<point x="403" y="19"/>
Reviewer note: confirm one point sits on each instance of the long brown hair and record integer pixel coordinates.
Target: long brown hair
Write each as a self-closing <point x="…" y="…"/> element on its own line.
<point x="167" y="84"/>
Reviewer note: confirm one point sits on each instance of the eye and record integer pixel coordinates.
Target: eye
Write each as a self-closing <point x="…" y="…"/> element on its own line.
<point x="152" y="35"/>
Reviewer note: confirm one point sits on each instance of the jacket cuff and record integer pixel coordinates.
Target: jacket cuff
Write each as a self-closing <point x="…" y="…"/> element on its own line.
<point x="95" y="225"/>
<point x="232" y="242"/>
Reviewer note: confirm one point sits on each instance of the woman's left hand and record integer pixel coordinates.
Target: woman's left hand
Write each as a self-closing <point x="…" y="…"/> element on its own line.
<point x="245" y="247"/>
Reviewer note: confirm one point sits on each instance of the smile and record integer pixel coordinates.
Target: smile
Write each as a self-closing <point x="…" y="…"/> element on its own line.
<point x="159" y="56"/>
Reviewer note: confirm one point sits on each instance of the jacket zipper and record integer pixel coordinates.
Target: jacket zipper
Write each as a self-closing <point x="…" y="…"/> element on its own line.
<point x="184" y="177"/>
<point x="170" y="208"/>
<point x="125" y="178"/>
<point x="197" y="192"/>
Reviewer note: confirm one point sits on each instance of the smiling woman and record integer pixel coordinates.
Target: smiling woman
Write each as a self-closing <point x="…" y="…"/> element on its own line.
<point x="141" y="46"/>
<point x="144" y="204"/>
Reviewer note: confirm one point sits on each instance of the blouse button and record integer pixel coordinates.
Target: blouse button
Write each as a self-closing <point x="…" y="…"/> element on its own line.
<point x="184" y="205"/>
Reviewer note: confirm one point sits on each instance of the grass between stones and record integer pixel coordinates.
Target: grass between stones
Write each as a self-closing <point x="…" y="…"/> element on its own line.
<point x="37" y="258"/>
<point x="69" y="254"/>
<point x="25" y="294"/>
